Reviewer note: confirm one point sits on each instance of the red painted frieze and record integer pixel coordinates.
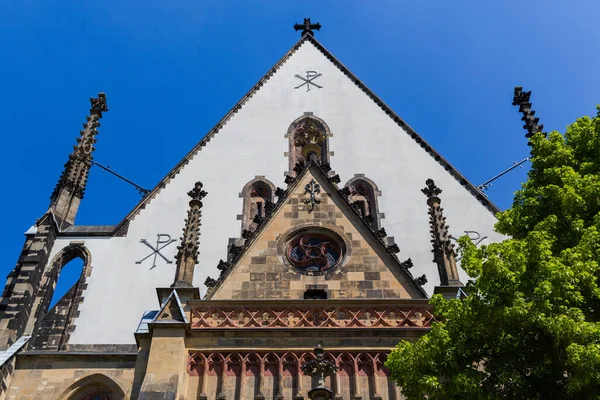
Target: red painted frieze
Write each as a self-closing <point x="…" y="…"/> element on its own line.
<point x="272" y="316"/>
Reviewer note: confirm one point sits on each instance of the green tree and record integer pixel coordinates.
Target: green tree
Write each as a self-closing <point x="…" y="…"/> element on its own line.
<point x="529" y="328"/>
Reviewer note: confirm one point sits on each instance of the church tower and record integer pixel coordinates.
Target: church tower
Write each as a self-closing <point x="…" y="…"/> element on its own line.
<point x="282" y="266"/>
<point x="30" y="285"/>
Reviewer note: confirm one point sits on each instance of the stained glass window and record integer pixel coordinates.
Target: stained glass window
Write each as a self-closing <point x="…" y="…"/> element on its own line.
<point x="314" y="252"/>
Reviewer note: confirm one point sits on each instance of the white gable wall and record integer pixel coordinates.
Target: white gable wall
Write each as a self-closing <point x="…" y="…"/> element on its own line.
<point x="365" y="141"/>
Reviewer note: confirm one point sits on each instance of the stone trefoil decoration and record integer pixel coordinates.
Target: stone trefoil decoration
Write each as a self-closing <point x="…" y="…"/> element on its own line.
<point x="312" y="188"/>
<point x="532" y="125"/>
<point x="162" y="241"/>
<point x="443" y="249"/>
<point x="187" y="254"/>
<point x="319" y="368"/>
<point x="75" y="174"/>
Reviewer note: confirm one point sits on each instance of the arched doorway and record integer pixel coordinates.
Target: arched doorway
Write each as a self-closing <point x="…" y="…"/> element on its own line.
<point x="94" y="387"/>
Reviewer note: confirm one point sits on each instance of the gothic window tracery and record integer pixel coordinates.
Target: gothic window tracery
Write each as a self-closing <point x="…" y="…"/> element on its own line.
<point x="313" y="251"/>
<point x="308" y="141"/>
<point x="363" y="197"/>
<point x="258" y="197"/>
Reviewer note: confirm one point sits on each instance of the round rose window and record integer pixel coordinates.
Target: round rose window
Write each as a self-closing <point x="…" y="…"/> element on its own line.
<point x="314" y="252"/>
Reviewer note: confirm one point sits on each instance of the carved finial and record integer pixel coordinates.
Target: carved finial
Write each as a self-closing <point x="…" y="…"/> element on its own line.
<point x="187" y="254"/>
<point x="98" y="104"/>
<point x="443" y="249"/>
<point x="431" y="190"/>
<point x="532" y="125"/>
<point x="74" y="177"/>
<point x="197" y="194"/>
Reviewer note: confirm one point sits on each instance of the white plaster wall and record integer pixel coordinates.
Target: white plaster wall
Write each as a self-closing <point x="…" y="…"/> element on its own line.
<point x="365" y="141"/>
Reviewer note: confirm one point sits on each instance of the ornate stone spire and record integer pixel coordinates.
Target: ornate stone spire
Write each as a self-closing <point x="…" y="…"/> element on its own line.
<point x="71" y="185"/>
<point x="532" y="125"/>
<point x="443" y="249"/>
<point x="187" y="254"/>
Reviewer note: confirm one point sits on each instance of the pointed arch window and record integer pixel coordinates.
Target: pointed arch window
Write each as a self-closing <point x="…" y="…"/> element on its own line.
<point x="308" y="141"/>
<point x="59" y="303"/>
<point x="258" y="196"/>
<point x="363" y="197"/>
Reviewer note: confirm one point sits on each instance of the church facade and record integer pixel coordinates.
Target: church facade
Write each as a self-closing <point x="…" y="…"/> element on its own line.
<point x="313" y="236"/>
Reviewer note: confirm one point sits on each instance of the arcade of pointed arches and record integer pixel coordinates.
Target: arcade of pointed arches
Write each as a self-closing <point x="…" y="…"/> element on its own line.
<point x="245" y="374"/>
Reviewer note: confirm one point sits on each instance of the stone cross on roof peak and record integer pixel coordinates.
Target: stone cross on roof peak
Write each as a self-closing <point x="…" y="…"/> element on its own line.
<point x="307" y="27"/>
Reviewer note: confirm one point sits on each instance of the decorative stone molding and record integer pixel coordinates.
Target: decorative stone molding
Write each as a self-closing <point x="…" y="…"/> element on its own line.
<point x="206" y="316"/>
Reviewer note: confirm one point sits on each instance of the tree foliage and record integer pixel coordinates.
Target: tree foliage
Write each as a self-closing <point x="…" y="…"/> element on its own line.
<point x="529" y="328"/>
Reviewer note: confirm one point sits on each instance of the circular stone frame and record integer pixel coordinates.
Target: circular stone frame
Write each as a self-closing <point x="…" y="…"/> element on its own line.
<point x="336" y="235"/>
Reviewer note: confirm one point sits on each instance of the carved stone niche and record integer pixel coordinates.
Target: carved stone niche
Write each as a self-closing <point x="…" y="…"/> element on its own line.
<point x="308" y="140"/>
<point x="258" y="198"/>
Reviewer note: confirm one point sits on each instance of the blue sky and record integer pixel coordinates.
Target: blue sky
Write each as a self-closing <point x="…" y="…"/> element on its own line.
<point x="172" y="69"/>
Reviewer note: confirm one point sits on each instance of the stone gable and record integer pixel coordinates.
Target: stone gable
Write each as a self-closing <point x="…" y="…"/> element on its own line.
<point x="367" y="270"/>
